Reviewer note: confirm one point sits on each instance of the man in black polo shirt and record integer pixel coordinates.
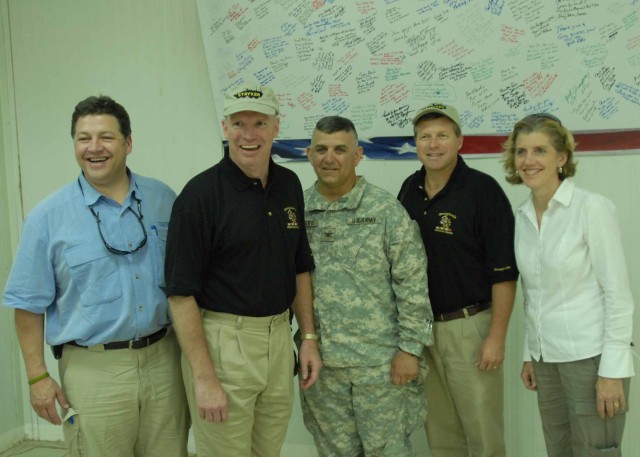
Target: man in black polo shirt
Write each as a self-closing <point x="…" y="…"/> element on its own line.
<point x="237" y="259"/>
<point x="467" y="227"/>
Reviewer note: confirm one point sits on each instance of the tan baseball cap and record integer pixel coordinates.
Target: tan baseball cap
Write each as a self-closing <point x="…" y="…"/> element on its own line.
<point x="250" y="98"/>
<point x="446" y="110"/>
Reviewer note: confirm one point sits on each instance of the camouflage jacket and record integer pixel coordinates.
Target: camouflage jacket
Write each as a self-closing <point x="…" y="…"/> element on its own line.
<point x="370" y="281"/>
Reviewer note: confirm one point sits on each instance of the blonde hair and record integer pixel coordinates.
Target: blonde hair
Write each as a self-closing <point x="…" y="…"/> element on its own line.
<point x="561" y="139"/>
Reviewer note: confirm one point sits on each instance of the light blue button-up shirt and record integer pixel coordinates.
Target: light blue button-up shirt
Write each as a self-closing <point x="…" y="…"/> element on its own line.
<point x="62" y="267"/>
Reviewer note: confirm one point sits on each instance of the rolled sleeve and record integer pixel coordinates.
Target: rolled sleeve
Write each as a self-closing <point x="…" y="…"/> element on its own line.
<point x="31" y="285"/>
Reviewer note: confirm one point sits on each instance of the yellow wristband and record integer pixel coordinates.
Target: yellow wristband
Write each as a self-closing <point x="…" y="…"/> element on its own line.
<point x="309" y="336"/>
<point x="44" y="375"/>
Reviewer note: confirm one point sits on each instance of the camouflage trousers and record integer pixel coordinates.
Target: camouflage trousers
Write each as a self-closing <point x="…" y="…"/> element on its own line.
<point x="358" y="411"/>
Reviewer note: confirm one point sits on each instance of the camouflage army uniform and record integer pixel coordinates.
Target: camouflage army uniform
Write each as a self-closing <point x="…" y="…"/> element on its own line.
<point x="370" y="298"/>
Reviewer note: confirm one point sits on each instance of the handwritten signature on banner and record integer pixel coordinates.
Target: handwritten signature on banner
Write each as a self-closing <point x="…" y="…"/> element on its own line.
<point x="379" y="61"/>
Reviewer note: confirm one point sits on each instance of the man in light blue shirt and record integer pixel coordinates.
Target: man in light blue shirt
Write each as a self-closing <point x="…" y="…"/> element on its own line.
<point x="91" y="263"/>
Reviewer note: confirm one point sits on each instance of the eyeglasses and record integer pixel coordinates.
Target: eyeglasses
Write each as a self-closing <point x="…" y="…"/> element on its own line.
<point x="548" y="116"/>
<point x="110" y="248"/>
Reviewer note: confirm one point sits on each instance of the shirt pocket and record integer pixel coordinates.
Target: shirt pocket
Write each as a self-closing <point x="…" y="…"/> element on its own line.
<point x="158" y="242"/>
<point x="94" y="273"/>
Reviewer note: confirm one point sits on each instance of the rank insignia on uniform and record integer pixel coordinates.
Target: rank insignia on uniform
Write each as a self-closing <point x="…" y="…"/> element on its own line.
<point x="293" y="217"/>
<point x="362" y="220"/>
<point x="328" y="234"/>
<point x="446" y="222"/>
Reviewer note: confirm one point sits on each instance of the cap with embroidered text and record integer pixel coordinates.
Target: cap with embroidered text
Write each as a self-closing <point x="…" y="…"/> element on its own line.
<point x="445" y="110"/>
<point x="250" y="98"/>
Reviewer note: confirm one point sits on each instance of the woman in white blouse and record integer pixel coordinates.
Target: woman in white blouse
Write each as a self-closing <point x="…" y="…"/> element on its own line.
<point x="577" y="300"/>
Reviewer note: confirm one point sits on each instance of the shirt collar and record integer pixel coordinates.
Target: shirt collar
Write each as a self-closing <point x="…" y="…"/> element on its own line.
<point x="457" y="176"/>
<point x="239" y="180"/>
<point x="562" y="196"/>
<point x="91" y="195"/>
<point x="350" y="200"/>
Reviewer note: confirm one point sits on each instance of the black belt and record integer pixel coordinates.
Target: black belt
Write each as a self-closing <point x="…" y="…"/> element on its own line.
<point x="464" y="312"/>
<point x="131" y="344"/>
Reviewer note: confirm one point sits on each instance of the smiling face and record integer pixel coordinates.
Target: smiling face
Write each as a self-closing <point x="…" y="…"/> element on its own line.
<point x="437" y="145"/>
<point x="334" y="157"/>
<point x="250" y="135"/>
<point x="537" y="162"/>
<point x="101" y="151"/>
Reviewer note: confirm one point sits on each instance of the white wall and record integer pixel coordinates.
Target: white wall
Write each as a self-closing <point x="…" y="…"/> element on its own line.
<point x="148" y="55"/>
<point x="11" y="394"/>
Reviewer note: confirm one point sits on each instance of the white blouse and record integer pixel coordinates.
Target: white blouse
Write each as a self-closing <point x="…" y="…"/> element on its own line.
<point x="577" y="299"/>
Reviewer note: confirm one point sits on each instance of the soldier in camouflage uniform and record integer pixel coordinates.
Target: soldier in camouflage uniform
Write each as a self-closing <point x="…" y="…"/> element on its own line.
<point x="371" y="306"/>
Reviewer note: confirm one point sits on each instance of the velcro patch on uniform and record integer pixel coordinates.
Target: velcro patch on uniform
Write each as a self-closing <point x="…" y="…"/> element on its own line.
<point x="363" y="220"/>
<point x="328" y="234"/>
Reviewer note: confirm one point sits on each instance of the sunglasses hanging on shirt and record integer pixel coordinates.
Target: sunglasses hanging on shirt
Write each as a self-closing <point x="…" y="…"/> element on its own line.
<point x="138" y="216"/>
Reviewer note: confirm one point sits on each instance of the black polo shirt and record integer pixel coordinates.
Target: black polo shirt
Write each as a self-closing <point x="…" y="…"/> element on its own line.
<point x="467" y="230"/>
<point x="235" y="246"/>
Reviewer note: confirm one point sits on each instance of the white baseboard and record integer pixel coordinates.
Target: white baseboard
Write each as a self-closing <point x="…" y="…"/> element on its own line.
<point x="10" y="438"/>
<point x="45" y="431"/>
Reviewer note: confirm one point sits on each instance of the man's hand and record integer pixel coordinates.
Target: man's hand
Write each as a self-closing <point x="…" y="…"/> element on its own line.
<point x="404" y="368"/>
<point x="211" y="401"/>
<point x="528" y="376"/>
<point x="491" y="354"/>
<point x="609" y="396"/>
<point x="310" y="363"/>
<point x="43" y="395"/>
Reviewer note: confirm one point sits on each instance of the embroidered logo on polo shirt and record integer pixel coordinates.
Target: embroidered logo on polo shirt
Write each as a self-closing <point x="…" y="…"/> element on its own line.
<point x="362" y="220"/>
<point x="446" y="221"/>
<point x="293" y="217"/>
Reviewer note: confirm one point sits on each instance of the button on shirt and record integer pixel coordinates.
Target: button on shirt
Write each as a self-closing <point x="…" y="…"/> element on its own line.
<point x="370" y="284"/>
<point x="578" y="303"/>
<point x="63" y="269"/>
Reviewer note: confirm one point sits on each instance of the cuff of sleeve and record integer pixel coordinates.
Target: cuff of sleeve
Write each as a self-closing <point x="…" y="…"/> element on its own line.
<point x="411" y="348"/>
<point x="616" y="363"/>
<point x="171" y="291"/>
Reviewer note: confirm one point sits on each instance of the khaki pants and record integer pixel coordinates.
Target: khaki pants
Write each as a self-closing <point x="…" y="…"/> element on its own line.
<point x="126" y="401"/>
<point x="465" y="417"/>
<point x="253" y="359"/>
<point x="567" y="404"/>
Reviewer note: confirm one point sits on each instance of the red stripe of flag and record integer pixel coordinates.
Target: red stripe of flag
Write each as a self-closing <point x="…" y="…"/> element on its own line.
<point x="600" y="141"/>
